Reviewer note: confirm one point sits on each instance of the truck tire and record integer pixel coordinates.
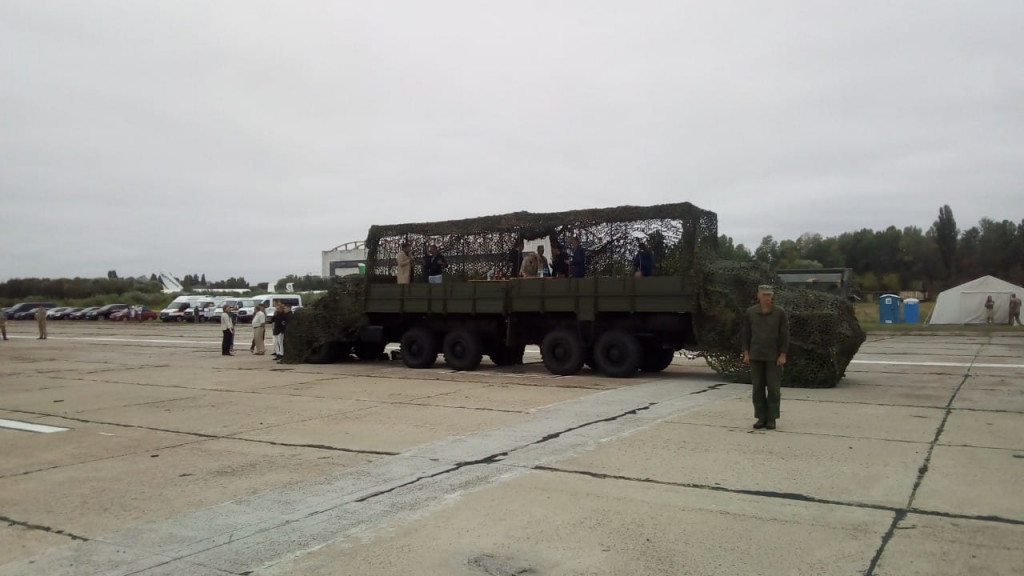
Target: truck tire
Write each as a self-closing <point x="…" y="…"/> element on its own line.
<point x="618" y="354"/>
<point x="656" y="359"/>
<point x="366" y="351"/>
<point x="419" y="348"/>
<point x="508" y="356"/>
<point x="462" y="350"/>
<point x="562" y="352"/>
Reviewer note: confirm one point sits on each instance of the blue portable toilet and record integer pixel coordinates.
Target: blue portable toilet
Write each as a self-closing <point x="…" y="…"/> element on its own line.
<point x="911" y="311"/>
<point x="889" y="309"/>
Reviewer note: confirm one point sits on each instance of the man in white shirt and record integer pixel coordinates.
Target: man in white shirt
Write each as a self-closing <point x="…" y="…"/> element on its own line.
<point x="228" y="327"/>
<point x="259" y="323"/>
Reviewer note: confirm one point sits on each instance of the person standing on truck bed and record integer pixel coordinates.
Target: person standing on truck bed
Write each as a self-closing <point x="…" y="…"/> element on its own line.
<point x="515" y="259"/>
<point x="559" y="262"/>
<point x="643" y="262"/>
<point x="545" y="268"/>
<point x="436" y="264"/>
<point x="578" y="264"/>
<point x="404" y="264"/>
<point x="764" y="338"/>
<point x="531" y="266"/>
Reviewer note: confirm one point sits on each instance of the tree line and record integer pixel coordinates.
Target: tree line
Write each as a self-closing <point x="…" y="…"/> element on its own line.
<point x="882" y="260"/>
<point x="909" y="259"/>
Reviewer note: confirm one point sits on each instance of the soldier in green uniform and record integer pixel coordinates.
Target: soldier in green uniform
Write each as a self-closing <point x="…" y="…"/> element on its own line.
<point x="765" y="341"/>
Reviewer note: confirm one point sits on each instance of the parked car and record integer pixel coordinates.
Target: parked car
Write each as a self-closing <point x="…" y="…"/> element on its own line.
<point x="203" y="308"/>
<point x="141" y="313"/>
<point x="174" y="312"/>
<point x="245" y="314"/>
<point x="81" y="314"/>
<point x="105" y="311"/>
<point x="54" y="313"/>
<point x="27" y="314"/>
<point x="27" y="306"/>
<point x="63" y="314"/>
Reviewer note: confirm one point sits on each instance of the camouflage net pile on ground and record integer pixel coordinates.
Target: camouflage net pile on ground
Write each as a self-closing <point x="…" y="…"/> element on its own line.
<point x="475" y="246"/>
<point x="335" y="317"/>
<point x="824" y="332"/>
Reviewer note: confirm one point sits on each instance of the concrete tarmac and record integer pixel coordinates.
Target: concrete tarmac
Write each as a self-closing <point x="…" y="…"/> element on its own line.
<point x="138" y="449"/>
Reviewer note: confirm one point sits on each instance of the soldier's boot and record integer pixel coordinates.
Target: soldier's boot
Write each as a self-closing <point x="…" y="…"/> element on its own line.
<point x="771" y="424"/>
<point x="761" y="423"/>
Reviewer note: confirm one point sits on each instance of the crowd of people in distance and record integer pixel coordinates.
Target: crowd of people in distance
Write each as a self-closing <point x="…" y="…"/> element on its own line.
<point x="571" y="263"/>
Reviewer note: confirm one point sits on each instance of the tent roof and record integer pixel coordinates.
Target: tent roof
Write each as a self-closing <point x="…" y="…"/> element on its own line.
<point x="985" y="284"/>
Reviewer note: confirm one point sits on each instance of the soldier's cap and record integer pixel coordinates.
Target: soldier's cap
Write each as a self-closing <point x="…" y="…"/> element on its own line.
<point x="765" y="289"/>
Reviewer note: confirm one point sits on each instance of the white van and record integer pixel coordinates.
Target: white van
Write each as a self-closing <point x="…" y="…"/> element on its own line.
<point x="174" y="312"/>
<point x="245" y="314"/>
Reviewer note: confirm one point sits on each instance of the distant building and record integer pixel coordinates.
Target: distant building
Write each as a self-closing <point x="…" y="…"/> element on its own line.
<point x="835" y="281"/>
<point x="343" y="259"/>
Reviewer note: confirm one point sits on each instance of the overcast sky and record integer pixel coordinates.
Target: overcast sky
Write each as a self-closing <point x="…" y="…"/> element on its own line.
<point x="242" y="138"/>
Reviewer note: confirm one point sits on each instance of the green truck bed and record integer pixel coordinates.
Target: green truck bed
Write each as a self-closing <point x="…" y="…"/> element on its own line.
<point x="584" y="297"/>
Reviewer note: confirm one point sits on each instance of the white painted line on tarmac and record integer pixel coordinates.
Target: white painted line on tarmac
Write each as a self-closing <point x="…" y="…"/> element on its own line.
<point x="942" y="364"/>
<point x="143" y="340"/>
<point x="18" y="425"/>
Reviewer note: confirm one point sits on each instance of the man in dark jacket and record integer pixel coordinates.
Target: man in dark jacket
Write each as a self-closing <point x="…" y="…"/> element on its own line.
<point x="559" y="262"/>
<point x="643" y="262"/>
<point x="282" y="313"/>
<point x="435" y="263"/>
<point x="764" y="338"/>
<point x="578" y="264"/>
<point x="515" y="259"/>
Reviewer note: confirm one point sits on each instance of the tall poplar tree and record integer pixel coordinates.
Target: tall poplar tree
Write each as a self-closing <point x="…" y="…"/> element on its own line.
<point x="945" y="233"/>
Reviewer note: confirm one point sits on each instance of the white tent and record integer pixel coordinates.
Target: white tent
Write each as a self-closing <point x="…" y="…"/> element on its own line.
<point x="965" y="304"/>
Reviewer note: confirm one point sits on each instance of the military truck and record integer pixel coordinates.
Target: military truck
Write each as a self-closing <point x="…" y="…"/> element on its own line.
<point x="610" y="320"/>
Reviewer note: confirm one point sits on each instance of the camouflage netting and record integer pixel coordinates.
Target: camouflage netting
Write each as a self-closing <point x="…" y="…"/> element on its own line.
<point x="475" y="246"/>
<point x="335" y="317"/>
<point x="824" y="332"/>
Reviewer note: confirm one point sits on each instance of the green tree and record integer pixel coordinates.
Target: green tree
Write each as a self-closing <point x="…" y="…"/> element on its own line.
<point x="767" y="252"/>
<point x="727" y="250"/>
<point x="303" y="283"/>
<point x="945" y="234"/>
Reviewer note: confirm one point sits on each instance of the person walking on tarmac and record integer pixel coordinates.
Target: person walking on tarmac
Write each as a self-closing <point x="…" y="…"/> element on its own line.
<point x="41" y="318"/>
<point x="764" y="338"/>
<point x="228" y="328"/>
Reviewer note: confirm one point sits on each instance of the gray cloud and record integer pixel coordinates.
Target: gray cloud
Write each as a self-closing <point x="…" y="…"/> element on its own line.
<point x="241" y="138"/>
